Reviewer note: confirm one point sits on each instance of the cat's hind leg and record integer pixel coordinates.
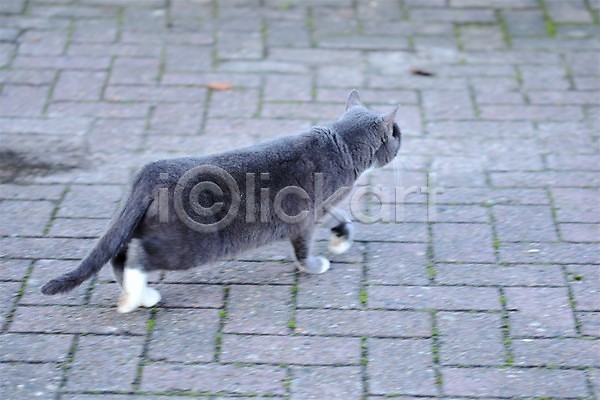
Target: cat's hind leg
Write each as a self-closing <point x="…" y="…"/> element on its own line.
<point x="342" y="233"/>
<point x="118" y="265"/>
<point x="306" y="262"/>
<point x="135" y="290"/>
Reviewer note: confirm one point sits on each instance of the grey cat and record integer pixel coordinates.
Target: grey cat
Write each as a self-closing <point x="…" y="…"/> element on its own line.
<point x="189" y="211"/>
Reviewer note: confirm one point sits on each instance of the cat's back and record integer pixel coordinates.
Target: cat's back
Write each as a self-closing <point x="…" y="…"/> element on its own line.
<point x="288" y="155"/>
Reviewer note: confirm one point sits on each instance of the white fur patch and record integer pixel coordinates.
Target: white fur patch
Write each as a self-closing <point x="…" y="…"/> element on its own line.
<point x="134" y="287"/>
<point x="338" y="245"/>
<point x="324" y="266"/>
<point x="150" y="297"/>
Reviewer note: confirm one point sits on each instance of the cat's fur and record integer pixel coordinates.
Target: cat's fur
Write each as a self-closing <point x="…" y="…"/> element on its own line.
<point x="150" y="231"/>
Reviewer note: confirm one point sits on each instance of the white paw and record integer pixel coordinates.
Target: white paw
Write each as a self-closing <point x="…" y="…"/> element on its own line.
<point x="318" y="265"/>
<point x="325" y="264"/>
<point x="150" y="297"/>
<point x="338" y="245"/>
<point x="126" y="305"/>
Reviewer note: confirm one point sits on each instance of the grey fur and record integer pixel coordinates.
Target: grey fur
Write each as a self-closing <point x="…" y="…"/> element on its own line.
<point x="341" y="151"/>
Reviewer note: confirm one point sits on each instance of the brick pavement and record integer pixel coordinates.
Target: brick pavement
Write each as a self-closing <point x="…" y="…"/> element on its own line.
<point x="495" y="297"/>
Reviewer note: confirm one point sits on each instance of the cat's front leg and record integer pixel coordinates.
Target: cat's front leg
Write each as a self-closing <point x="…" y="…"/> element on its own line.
<point x="341" y="233"/>
<point x="305" y="261"/>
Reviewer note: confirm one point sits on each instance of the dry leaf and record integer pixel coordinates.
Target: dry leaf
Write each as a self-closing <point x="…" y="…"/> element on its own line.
<point x="219" y="85"/>
<point x="421" y="72"/>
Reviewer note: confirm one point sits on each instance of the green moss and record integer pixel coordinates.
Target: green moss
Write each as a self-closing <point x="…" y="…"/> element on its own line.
<point x="363" y="297"/>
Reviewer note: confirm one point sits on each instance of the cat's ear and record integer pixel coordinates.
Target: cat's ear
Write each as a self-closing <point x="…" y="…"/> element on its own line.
<point x="389" y="118"/>
<point x="353" y="100"/>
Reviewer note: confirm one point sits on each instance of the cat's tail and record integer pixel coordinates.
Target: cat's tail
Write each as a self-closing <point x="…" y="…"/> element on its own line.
<point x="119" y="232"/>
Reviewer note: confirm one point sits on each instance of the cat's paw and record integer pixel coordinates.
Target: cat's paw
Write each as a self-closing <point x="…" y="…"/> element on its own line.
<point x="126" y="305"/>
<point x="150" y="297"/>
<point x="341" y="238"/>
<point x="315" y="265"/>
<point x="339" y="245"/>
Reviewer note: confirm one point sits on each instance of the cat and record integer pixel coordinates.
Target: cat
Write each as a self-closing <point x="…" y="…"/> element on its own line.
<point x="184" y="212"/>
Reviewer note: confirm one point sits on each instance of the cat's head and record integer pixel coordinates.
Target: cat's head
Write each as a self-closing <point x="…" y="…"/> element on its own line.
<point x="377" y="132"/>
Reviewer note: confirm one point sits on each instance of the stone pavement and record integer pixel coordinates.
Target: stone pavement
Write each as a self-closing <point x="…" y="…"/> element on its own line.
<point x="494" y="295"/>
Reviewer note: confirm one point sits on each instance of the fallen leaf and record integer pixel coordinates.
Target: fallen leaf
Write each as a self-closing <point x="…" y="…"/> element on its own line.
<point x="219" y="85"/>
<point x="421" y="72"/>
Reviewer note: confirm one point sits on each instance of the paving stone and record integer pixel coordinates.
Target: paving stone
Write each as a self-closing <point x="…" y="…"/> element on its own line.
<point x="65" y="319"/>
<point x="395" y="263"/>
<point x="288" y="88"/>
<point x="19" y="383"/>
<point x="338" y="288"/>
<point x="239" y="45"/>
<point x="555" y="352"/>
<point x="13" y="270"/>
<point x="563" y="253"/>
<point x="534" y="77"/>
<point x="99" y="30"/>
<point x="240" y="104"/>
<point x="386" y="368"/>
<point x="68" y="86"/>
<point x="134" y="71"/>
<point x="34" y="348"/>
<point x="540" y="312"/>
<point x="170" y="94"/>
<point x="493" y="196"/>
<point x="463" y="242"/>
<point x="184" y="335"/>
<point x="485" y="382"/>
<point x="525" y="22"/>
<point x="433" y="297"/>
<point x="327" y="112"/>
<point x="302" y="350"/>
<point x="590" y="323"/>
<point x="362" y="323"/>
<point x="576" y="205"/>
<point x="392" y="232"/>
<point x="229" y="272"/>
<point x="491" y="274"/>
<point x="552" y="179"/>
<point x="43" y="271"/>
<point x="23" y="101"/>
<point x="78" y="227"/>
<point x="258" y="309"/>
<point x="585" y="284"/>
<point x="104" y="363"/>
<point x="482" y="38"/>
<point x="580" y="232"/>
<point x="343" y="383"/>
<point x="447" y="15"/>
<point x="98" y="109"/>
<point x="467" y="338"/>
<point x="32" y="217"/>
<point x="570" y="11"/>
<point x="31" y="192"/>
<point x="448" y="105"/>
<point x="90" y="201"/>
<point x="162" y="377"/>
<point x="531" y="223"/>
<point x="572" y="161"/>
<point x="458" y="171"/>
<point x="8" y="293"/>
<point x="177" y="118"/>
<point x="444" y="213"/>
<point x="531" y="113"/>
<point x="195" y="296"/>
